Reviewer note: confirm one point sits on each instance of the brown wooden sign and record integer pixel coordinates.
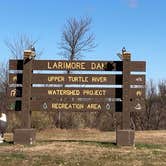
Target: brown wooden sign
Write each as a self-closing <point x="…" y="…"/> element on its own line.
<point x="72" y="106"/>
<point x="77" y="65"/>
<point x="14" y="92"/>
<point x="137" y="104"/>
<point x="103" y="79"/>
<point x="51" y="92"/>
<point x="138" y="66"/>
<point x="137" y="93"/>
<point x="14" y="105"/>
<point x="15" y="78"/>
<point x="137" y="99"/>
<point x="46" y="104"/>
<point x="76" y="92"/>
<point x="16" y="64"/>
<point x="137" y="79"/>
<point x="119" y="86"/>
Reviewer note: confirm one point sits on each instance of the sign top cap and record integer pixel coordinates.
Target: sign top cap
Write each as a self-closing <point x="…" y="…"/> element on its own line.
<point x="126" y="56"/>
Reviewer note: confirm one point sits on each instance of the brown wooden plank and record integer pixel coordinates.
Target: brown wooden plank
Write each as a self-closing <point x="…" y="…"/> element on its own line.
<point x="14" y="104"/>
<point x="13" y="99"/>
<point x="15" y="78"/>
<point x="137" y="79"/>
<point x="137" y="93"/>
<point x="72" y="106"/>
<point x="104" y="79"/>
<point x="14" y="92"/>
<point x="138" y="104"/>
<point x="76" y="92"/>
<point x="15" y="64"/>
<point x="77" y="99"/>
<point x="77" y="65"/>
<point x="137" y="99"/>
<point x="138" y="66"/>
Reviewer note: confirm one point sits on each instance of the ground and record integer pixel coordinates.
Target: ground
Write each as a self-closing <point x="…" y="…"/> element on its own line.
<point x="55" y="147"/>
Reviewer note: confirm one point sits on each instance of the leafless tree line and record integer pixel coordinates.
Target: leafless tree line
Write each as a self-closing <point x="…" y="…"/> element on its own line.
<point x="3" y="86"/>
<point x="154" y="116"/>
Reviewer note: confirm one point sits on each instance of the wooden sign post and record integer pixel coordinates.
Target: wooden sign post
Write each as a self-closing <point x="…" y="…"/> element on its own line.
<point x="125" y="136"/>
<point x="126" y="91"/>
<point x="27" y="75"/>
<point x="26" y="135"/>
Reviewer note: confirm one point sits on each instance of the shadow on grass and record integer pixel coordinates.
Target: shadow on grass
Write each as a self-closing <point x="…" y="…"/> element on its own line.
<point x="98" y="143"/>
<point x="149" y="146"/>
<point x="7" y="143"/>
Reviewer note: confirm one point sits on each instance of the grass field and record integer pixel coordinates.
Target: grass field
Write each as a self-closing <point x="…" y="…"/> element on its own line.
<point x="86" y="147"/>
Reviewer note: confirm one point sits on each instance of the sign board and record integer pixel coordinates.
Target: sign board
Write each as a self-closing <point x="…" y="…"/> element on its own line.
<point x="51" y="105"/>
<point x="137" y="79"/>
<point x="77" y="65"/>
<point x="16" y="64"/>
<point x="14" y="92"/>
<point x="138" y="66"/>
<point x="76" y="92"/>
<point x="15" y="78"/>
<point x="34" y="87"/>
<point x="104" y="79"/>
<point x="100" y="95"/>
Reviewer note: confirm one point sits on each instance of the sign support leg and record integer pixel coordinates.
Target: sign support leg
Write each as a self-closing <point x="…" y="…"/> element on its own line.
<point x="125" y="136"/>
<point x="26" y="135"/>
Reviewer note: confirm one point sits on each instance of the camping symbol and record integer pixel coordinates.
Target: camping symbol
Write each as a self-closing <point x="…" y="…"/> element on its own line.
<point x="138" y="106"/>
<point x="138" y="93"/>
<point x="15" y="78"/>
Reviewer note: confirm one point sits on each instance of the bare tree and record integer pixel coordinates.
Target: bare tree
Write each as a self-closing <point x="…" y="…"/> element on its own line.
<point x="76" y="38"/>
<point x="3" y="86"/>
<point x="150" y="103"/>
<point x="161" y="106"/>
<point x="17" y="46"/>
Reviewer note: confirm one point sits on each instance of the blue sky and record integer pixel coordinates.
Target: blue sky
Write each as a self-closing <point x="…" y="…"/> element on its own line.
<point x="139" y="25"/>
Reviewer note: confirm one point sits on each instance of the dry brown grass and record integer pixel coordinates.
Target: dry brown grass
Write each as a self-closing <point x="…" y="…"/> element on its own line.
<point x="86" y="148"/>
<point x="152" y="136"/>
